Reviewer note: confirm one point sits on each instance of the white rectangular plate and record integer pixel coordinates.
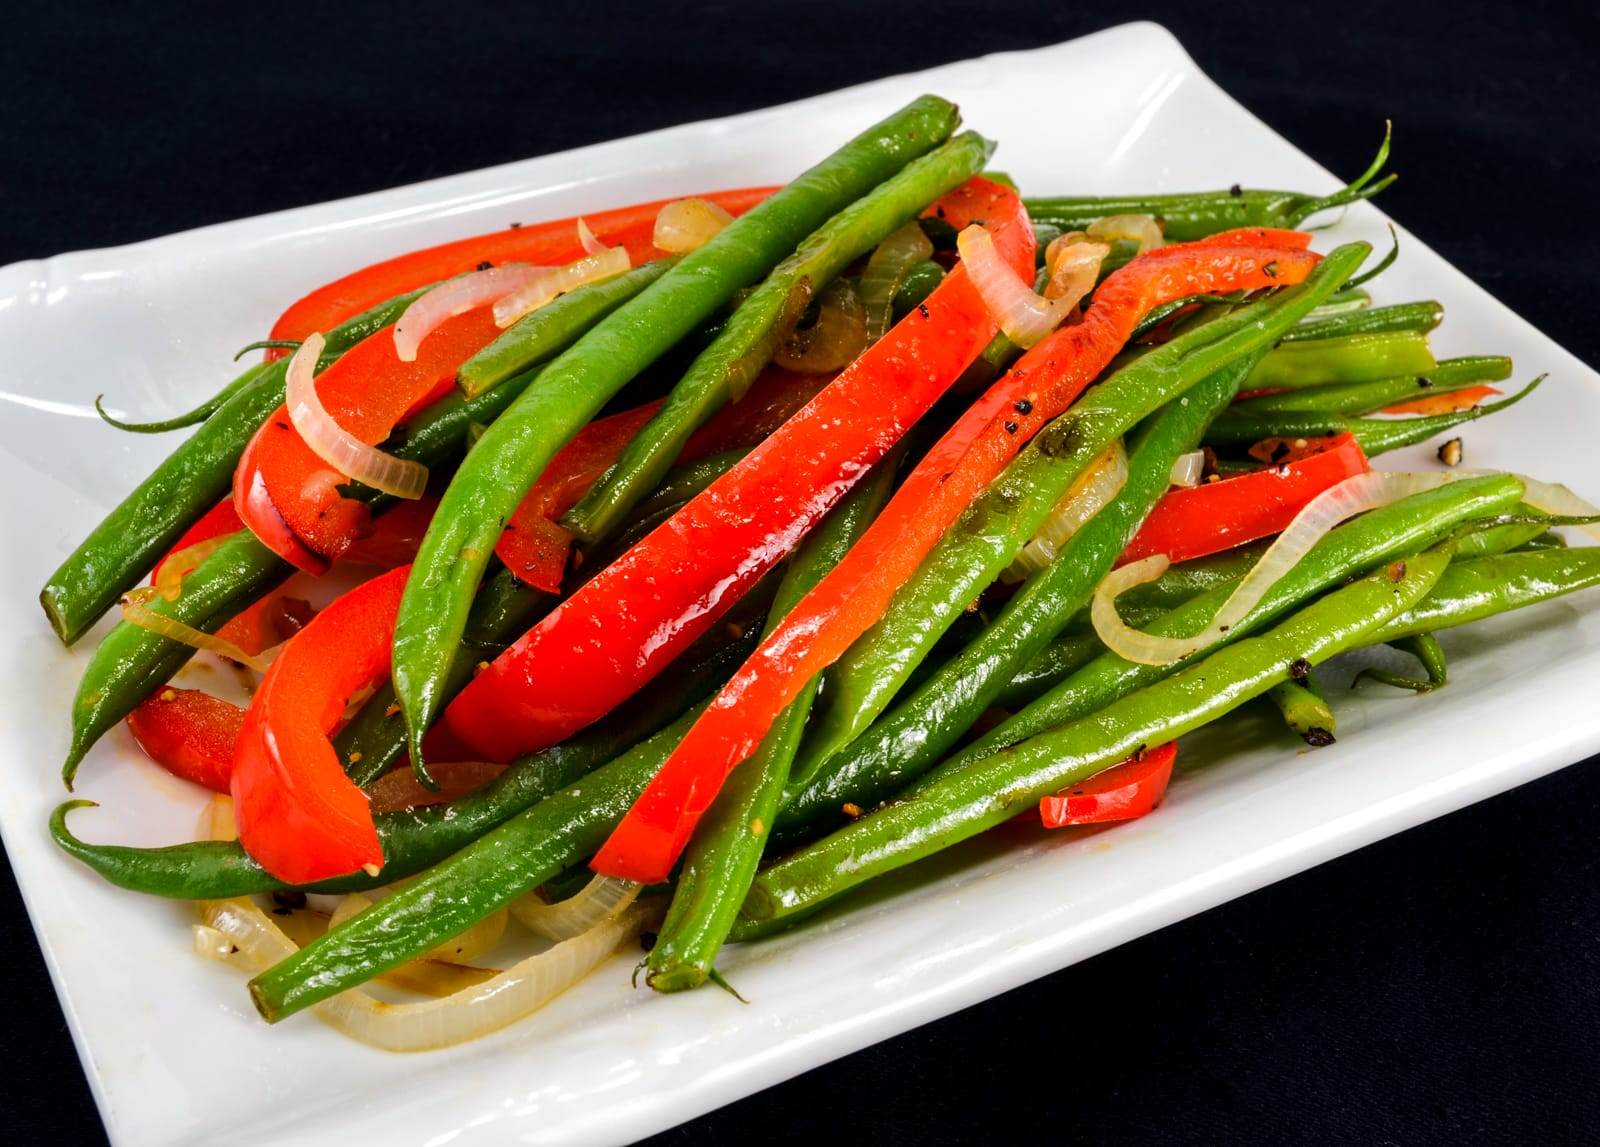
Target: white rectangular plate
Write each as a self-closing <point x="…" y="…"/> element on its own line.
<point x="173" y="1049"/>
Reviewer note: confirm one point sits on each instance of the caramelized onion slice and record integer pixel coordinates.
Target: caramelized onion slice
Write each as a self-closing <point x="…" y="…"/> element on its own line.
<point x="456" y="297"/>
<point x="686" y="224"/>
<point x="598" y="901"/>
<point x="1086" y="497"/>
<point x="135" y="611"/>
<point x="554" y="281"/>
<point x="335" y="445"/>
<point x="1022" y="315"/>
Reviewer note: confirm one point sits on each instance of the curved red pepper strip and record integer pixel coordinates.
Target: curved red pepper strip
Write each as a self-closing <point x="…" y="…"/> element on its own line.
<point x="856" y="592"/>
<point x="191" y="734"/>
<point x="541" y="243"/>
<point x="288" y="496"/>
<point x="624" y="626"/>
<point x="1122" y="792"/>
<point x="299" y="814"/>
<point x="1217" y="516"/>
<point x="1447" y="403"/>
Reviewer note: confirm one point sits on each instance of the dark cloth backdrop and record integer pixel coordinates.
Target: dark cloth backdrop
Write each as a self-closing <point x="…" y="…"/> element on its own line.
<point x="1438" y="987"/>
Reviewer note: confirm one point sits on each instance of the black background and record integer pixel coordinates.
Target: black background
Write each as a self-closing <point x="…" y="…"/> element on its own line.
<point x="1438" y="987"/>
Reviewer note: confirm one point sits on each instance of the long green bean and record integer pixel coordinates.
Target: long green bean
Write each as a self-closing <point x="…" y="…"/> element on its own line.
<point x="1366" y="397"/>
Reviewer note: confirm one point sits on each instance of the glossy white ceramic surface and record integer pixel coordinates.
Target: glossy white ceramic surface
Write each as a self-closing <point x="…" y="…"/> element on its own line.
<point x="171" y="1044"/>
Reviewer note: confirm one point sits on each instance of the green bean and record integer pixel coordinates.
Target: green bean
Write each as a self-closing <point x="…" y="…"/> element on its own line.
<point x="1429" y="653"/>
<point x="988" y="536"/>
<point x="132" y="662"/>
<point x="919" y="282"/>
<point x="1240" y="427"/>
<point x="1341" y="302"/>
<point x="1356" y="546"/>
<point x="929" y="720"/>
<point x="1420" y="317"/>
<point x="1365" y="397"/>
<point x="418" y="838"/>
<point x="1348" y="358"/>
<point x="958" y="805"/>
<point x="191" y="417"/>
<point x="721" y="859"/>
<point x="1191" y="215"/>
<point x="546" y="332"/>
<point x="687" y="479"/>
<point x="1481" y="587"/>
<point x="573" y="387"/>
<point x="192" y="479"/>
<point x="727" y="368"/>
<point x="1304" y="709"/>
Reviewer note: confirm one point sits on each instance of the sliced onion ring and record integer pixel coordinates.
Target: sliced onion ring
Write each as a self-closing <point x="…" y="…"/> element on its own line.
<point x="135" y="611"/>
<point x="1140" y="229"/>
<point x="1355" y="495"/>
<point x="586" y="238"/>
<point x="1086" y="497"/>
<point x="1073" y="267"/>
<point x="598" y="901"/>
<point x="605" y="264"/>
<point x="885" y="270"/>
<point x="1022" y="315"/>
<point x="686" y="224"/>
<point x="456" y="297"/>
<point x="1188" y="468"/>
<point x="475" y="1011"/>
<point x="334" y="444"/>
<point x="180" y="564"/>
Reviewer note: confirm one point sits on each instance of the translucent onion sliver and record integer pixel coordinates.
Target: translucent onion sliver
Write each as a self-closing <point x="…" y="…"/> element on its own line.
<point x="586" y="238"/>
<point x="885" y="270"/>
<point x="1140" y="229"/>
<point x="1016" y="309"/>
<point x="1355" y="495"/>
<point x="1188" y="468"/>
<point x="604" y="264"/>
<point x="598" y="901"/>
<point x="335" y="445"/>
<point x="456" y="297"/>
<point x="1089" y="493"/>
<point x="686" y="224"/>
<point x="179" y="565"/>
<point x="135" y="611"/>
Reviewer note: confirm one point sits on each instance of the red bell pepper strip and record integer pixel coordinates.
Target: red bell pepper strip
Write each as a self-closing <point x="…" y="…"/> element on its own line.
<point x="288" y="496"/>
<point x="396" y="534"/>
<point x="627" y="623"/>
<point x="1207" y="519"/>
<point x="190" y="734"/>
<point x="1447" y="403"/>
<point x="533" y="547"/>
<point x="299" y="814"/>
<point x="858" y="590"/>
<point x="1122" y="792"/>
<point x="541" y="243"/>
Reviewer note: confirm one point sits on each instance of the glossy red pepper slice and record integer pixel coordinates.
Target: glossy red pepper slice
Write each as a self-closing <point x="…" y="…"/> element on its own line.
<point x="1122" y="792"/>
<point x="299" y="815"/>
<point x="191" y="734"/>
<point x="1447" y="403"/>
<point x="1216" y="516"/>
<point x="858" y="590"/>
<point x="548" y="243"/>
<point x="288" y="496"/>
<point x="627" y="623"/>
